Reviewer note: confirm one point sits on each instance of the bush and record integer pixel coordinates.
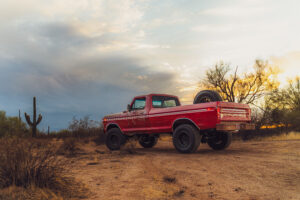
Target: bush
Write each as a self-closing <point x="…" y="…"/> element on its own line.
<point x="262" y="134"/>
<point x="22" y="164"/>
<point x="12" y="126"/>
<point x="26" y="164"/>
<point x="82" y="128"/>
<point x="283" y="106"/>
<point x="68" y="147"/>
<point x="100" y="138"/>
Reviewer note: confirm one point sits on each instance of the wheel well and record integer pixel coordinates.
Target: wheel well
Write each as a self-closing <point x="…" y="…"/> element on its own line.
<point x="110" y="126"/>
<point x="179" y="122"/>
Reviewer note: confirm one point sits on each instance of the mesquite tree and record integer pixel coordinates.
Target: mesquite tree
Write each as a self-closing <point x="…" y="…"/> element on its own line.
<point x="245" y="88"/>
<point x="33" y="124"/>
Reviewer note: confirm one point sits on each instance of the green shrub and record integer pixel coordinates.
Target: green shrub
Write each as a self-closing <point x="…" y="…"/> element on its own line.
<point x="12" y="126"/>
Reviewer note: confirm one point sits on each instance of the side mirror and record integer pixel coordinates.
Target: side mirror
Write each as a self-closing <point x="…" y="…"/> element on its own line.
<point x="128" y="107"/>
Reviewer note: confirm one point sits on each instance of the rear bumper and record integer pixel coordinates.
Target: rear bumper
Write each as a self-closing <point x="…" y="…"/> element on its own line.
<point x="235" y="126"/>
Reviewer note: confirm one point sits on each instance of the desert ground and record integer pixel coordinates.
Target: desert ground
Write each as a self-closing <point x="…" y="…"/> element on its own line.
<point x="259" y="170"/>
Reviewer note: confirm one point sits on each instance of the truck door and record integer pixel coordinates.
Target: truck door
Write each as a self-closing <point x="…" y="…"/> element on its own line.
<point x="137" y="116"/>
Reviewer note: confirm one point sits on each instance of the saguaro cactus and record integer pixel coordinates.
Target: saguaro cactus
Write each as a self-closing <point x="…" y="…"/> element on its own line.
<point x="35" y="121"/>
<point x="20" y="116"/>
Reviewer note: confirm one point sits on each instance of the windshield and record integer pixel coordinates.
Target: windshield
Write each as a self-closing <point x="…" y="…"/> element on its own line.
<point x="164" y="102"/>
<point x="139" y="104"/>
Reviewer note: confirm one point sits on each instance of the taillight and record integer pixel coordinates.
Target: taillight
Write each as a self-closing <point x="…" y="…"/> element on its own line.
<point x="219" y="113"/>
<point x="210" y="108"/>
<point x="249" y="113"/>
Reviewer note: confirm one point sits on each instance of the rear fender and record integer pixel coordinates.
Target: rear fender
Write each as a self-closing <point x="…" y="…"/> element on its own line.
<point x="180" y="121"/>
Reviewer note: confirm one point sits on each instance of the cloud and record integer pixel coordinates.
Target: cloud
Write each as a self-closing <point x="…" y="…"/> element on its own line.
<point x="233" y="11"/>
<point x="62" y="67"/>
<point x="289" y="65"/>
<point x="77" y="58"/>
<point x="237" y="9"/>
<point x="223" y="28"/>
<point x="94" y="86"/>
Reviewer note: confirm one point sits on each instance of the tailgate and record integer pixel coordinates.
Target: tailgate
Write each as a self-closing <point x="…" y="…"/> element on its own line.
<point x="233" y="112"/>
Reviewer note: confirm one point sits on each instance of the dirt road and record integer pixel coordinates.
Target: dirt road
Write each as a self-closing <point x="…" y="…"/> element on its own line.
<point x="247" y="170"/>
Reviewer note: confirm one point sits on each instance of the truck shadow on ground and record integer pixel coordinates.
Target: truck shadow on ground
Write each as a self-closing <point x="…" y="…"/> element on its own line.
<point x="229" y="151"/>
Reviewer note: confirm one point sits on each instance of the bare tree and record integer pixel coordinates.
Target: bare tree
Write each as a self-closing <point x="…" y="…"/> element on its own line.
<point x="242" y="89"/>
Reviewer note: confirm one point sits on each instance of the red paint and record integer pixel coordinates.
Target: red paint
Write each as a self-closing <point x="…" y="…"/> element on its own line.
<point x="161" y="120"/>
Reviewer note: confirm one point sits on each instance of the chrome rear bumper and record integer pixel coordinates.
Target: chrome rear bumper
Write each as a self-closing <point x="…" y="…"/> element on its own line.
<point x="235" y="126"/>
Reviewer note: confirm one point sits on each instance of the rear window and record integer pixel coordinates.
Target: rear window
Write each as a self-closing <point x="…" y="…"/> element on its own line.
<point x="164" y="102"/>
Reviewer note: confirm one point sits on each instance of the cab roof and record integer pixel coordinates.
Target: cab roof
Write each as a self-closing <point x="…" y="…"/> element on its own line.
<point x="155" y="94"/>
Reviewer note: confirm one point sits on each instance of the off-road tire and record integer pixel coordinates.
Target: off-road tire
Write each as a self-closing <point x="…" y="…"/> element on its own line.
<point x="148" y="141"/>
<point x="115" y="139"/>
<point x="221" y="141"/>
<point x="186" y="138"/>
<point x="207" y="96"/>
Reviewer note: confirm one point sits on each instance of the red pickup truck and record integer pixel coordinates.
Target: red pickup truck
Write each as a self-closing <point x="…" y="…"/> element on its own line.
<point x="208" y="120"/>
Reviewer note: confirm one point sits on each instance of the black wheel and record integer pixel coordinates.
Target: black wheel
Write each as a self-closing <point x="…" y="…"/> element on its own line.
<point x="186" y="138"/>
<point x="115" y="139"/>
<point x="221" y="141"/>
<point x="147" y="141"/>
<point x="207" y="96"/>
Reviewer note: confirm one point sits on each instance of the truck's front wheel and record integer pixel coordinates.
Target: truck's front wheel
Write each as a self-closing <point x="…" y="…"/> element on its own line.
<point x="115" y="139"/>
<point x="186" y="138"/>
<point x="147" y="141"/>
<point x="220" y="141"/>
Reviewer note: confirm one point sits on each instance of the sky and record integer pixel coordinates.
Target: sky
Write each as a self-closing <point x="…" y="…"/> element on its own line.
<point x="90" y="57"/>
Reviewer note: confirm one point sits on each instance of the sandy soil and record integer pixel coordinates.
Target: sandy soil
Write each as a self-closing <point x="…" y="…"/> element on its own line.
<point x="246" y="170"/>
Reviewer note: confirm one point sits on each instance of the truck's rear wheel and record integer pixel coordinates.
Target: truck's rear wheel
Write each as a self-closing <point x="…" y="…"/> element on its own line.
<point x="147" y="141"/>
<point x="207" y="96"/>
<point x="115" y="139"/>
<point x="186" y="138"/>
<point x="221" y="141"/>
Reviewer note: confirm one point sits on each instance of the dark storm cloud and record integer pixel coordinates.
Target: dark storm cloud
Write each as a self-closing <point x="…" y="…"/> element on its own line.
<point x="63" y="69"/>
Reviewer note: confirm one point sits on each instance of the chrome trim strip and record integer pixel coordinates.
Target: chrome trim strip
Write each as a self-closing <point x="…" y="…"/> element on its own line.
<point x="159" y="114"/>
<point x="179" y="112"/>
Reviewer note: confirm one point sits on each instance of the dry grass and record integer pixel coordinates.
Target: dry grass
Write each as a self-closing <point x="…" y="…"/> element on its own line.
<point x="68" y="147"/>
<point x="31" y="164"/>
<point x="31" y="193"/>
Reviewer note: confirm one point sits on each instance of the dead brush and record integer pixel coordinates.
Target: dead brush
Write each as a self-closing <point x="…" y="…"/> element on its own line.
<point x="24" y="164"/>
<point x="68" y="147"/>
<point x="100" y="138"/>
